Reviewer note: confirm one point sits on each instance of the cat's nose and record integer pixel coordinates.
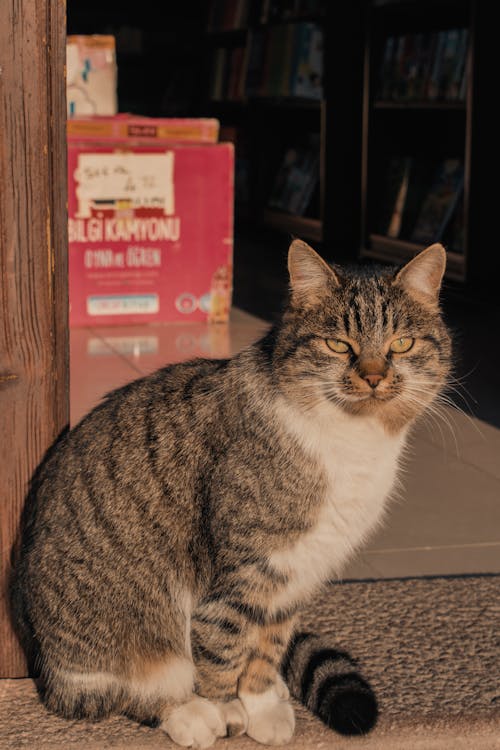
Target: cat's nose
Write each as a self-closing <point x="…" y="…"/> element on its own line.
<point x="373" y="378"/>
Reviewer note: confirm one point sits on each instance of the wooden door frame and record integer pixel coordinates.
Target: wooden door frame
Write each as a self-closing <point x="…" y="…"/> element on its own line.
<point x="34" y="341"/>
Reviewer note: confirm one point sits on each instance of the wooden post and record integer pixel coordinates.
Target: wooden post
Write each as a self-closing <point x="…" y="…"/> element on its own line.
<point x="33" y="263"/>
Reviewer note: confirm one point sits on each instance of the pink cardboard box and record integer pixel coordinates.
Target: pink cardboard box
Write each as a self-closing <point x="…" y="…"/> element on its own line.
<point x="150" y="232"/>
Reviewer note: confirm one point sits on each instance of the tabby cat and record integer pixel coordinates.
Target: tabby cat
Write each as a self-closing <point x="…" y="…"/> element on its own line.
<point x="171" y="537"/>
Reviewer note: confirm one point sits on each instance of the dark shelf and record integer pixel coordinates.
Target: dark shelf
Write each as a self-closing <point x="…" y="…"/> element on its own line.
<point x="289" y="102"/>
<point x="301" y="226"/>
<point x="428" y="132"/>
<point x="458" y="106"/>
<point x="391" y="250"/>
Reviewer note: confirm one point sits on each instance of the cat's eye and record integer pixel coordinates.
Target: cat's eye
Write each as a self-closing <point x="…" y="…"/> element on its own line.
<point x="336" y="345"/>
<point x="402" y="345"/>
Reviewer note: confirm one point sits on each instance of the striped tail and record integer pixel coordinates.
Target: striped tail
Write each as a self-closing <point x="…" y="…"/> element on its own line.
<point x="328" y="683"/>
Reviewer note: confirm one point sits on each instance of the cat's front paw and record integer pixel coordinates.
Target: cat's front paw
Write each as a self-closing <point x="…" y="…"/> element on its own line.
<point x="195" y="724"/>
<point x="271" y="720"/>
<point x="235" y="717"/>
<point x="274" y="726"/>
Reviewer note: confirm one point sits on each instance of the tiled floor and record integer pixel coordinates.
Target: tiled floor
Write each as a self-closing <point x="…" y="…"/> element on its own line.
<point x="445" y="521"/>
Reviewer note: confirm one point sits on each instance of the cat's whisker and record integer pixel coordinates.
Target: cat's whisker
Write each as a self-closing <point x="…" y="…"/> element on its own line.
<point x="449" y="386"/>
<point x="432" y="424"/>
<point x="431" y="421"/>
<point x="432" y="410"/>
<point x="444" y="394"/>
<point x="455" y="384"/>
<point x="448" y="402"/>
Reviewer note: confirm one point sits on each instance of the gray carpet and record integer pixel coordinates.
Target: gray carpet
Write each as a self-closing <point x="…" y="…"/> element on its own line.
<point x="429" y="648"/>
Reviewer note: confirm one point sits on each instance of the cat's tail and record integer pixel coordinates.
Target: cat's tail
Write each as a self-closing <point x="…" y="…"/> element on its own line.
<point x="328" y="683"/>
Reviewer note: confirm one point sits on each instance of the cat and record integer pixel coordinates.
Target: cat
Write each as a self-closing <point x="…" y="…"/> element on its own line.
<point x="171" y="538"/>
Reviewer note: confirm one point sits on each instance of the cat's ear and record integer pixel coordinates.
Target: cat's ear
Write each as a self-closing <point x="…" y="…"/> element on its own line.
<point x="422" y="276"/>
<point x="310" y="276"/>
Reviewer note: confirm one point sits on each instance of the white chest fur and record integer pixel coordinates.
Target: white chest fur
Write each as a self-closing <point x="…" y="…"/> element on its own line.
<point x="359" y="462"/>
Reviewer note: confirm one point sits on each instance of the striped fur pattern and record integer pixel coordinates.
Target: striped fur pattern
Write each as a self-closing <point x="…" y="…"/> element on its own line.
<point x="329" y="683"/>
<point x="171" y="537"/>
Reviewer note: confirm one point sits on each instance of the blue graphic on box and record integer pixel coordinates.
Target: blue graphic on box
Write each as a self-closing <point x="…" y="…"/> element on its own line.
<point x="123" y="304"/>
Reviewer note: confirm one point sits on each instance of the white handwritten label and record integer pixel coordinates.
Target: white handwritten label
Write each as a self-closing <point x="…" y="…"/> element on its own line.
<point x="121" y="181"/>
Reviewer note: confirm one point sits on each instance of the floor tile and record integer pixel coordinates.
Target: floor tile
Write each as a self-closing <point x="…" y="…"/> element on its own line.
<point x="103" y="358"/>
<point x="442" y="502"/>
<point x="459" y="560"/>
<point x="360" y="568"/>
<point x="465" y="438"/>
<point x="95" y="369"/>
<point x="150" y="347"/>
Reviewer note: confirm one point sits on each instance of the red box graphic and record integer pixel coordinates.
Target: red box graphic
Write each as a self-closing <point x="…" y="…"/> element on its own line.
<point x="150" y="232"/>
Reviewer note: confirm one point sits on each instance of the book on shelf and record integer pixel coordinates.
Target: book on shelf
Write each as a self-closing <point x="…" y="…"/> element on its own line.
<point x="447" y="62"/>
<point x="236" y="63"/>
<point x="424" y="66"/>
<point x="433" y="84"/>
<point x="455" y="87"/>
<point x="255" y="61"/>
<point x="397" y="58"/>
<point x="280" y="60"/>
<point x="218" y="71"/>
<point x="396" y="220"/>
<point x="285" y="60"/>
<point x="228" y="15"/>
<point x="419" y="67"/>
<point x="462" y="90"/>
<point x="439" y="204"/>
<point x="286" y="63"/>
<point x="401" y="193"/>
<point x="407" y="67"/>
<point x="277" y="70"/>
<point x="449" y="70"/>
<point x="281" y="10"/>
<point x="284" y="10"/>
<point x="228" y="74"/>
<point x="263" y="11"/>
<point x="307" y="65"/>
<point x="392" y="196"/>
<point x="273" y="61"/>
<point x="420" y="177"/>
<point x="311" y="7"/>
<point x="296" y="179"/>
<point x="387" y="69"/>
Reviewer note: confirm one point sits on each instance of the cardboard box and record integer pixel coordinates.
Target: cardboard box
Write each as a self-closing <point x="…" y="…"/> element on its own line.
<point x="150" y="232"/>
<point x="91" y="75"/>
<point x="134" y="129"/>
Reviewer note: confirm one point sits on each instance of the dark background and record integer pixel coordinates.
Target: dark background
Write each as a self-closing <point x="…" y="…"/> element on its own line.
<point x="167" y="73"/>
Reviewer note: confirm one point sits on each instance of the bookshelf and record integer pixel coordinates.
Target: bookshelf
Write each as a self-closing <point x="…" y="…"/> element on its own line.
<point x="165" y="69"/>
<point x="265" y="84"/>
<point x="417" y="109"/>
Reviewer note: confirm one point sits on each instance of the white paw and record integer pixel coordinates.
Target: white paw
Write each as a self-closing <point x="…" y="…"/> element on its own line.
<point x="195" y="724"/>
<point x="273" y="726"/>
<point x="271" y="720"/>
<point x="282" y="690"/>
<point x="235" y="717"/>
